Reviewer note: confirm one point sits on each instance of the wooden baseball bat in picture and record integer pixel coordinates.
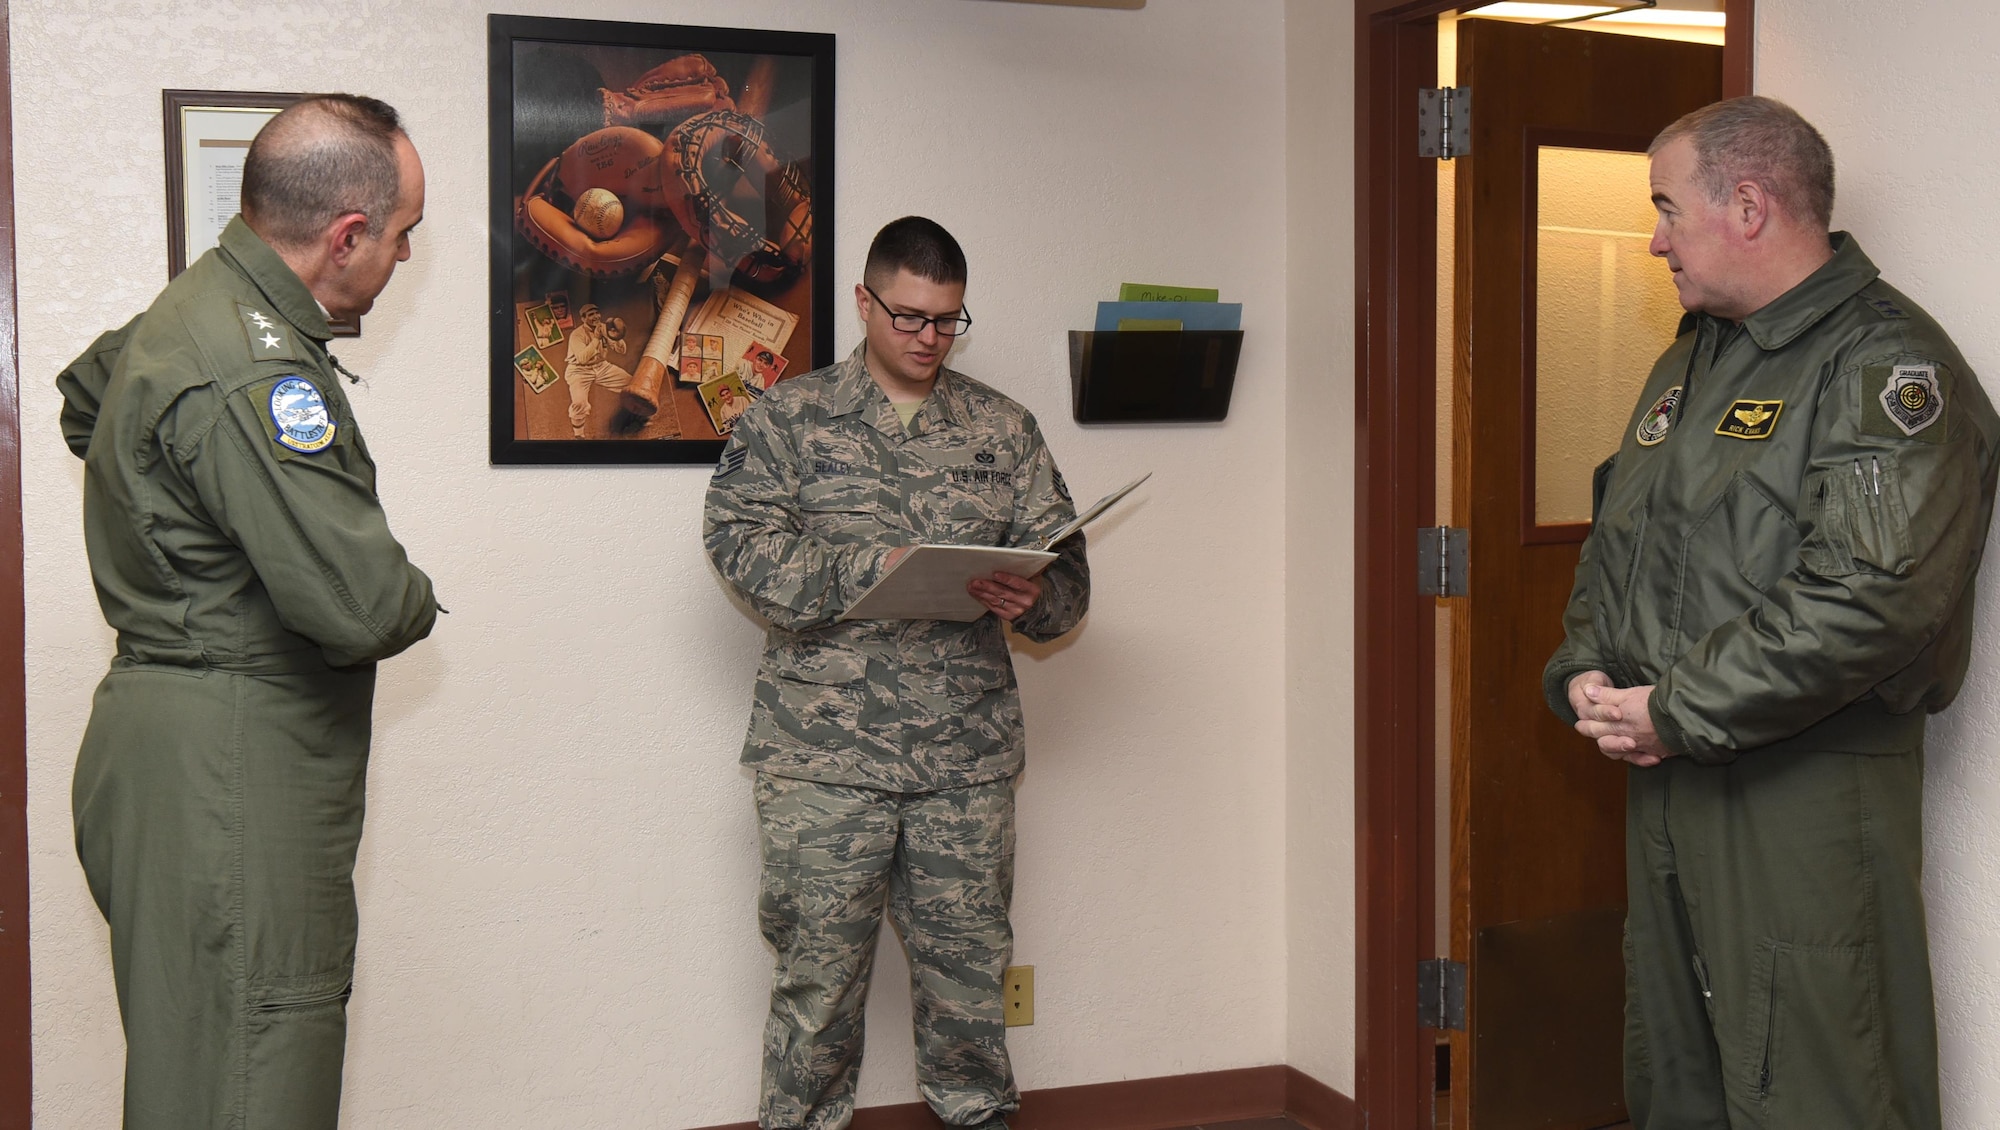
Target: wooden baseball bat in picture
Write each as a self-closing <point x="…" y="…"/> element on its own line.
<point x="642" y="397"/>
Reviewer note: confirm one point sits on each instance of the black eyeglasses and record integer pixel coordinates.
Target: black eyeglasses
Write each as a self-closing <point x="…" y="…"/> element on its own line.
<point x="950" y="325"/>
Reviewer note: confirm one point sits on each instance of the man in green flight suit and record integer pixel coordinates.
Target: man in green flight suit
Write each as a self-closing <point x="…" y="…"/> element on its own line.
<point x="1777" y="589"/>
<point x="886" y="750"/>
<point x="240" y="552"/>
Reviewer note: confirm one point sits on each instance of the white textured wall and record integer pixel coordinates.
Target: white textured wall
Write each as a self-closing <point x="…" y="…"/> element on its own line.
<point x="1319" y="546"/>
<point x="557" y="879"/>
<point x="1885" y="82"/>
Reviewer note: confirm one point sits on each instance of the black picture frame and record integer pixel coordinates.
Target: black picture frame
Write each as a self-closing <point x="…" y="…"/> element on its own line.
<point x="182" y="112"/>
<point x="718" y="144"/>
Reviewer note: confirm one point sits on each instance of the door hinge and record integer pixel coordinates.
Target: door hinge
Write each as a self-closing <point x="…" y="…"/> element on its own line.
<point x="1444" y="122"/>
<point x="1441" y="994"/>
<point x="1442" y="553"/>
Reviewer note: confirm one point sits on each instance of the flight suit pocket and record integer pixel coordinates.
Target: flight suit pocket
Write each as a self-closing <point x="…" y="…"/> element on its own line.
<point x="1879" y="524"/>
<point x="1860" y="523"/>
<point x="1818" y="1057"/>
<point x="1761" y="533"/>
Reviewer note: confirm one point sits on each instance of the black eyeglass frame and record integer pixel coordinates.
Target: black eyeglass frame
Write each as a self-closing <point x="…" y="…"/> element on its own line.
<point x="963" y="316"/>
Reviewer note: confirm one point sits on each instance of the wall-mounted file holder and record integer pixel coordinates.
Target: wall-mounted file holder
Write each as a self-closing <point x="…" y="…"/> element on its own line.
<point x="1157" y="375"/>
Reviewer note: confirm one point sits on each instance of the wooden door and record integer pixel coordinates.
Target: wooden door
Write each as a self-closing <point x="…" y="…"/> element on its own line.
<point x="1537" y="852"/>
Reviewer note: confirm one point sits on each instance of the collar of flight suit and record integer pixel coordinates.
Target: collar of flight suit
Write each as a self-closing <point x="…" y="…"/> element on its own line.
<point x="258" y="262"/>
<point x="855" y="390"/>
<point x="1799" y="309"/>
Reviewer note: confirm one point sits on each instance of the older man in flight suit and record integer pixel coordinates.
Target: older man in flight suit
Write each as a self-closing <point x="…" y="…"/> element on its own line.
<point x="886" y="750"/>
<point x="1777" y="590"/>
<point x="240" y="552"/>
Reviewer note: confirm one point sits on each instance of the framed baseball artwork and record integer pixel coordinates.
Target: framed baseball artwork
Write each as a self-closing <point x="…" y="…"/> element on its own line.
<point x="662" y="206"/>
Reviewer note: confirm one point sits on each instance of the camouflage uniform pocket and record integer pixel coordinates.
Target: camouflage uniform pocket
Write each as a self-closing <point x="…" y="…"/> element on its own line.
<point x="974" y="678"/>
<point x="810" y="697"/>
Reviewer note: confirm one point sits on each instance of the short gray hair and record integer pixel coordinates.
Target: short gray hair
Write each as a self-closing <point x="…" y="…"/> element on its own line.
<point x="1763" y="141"/>
<point x="320" y="159"/>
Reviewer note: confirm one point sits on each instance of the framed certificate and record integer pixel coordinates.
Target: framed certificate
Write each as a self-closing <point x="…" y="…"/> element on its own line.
<point x="208" y="135"/>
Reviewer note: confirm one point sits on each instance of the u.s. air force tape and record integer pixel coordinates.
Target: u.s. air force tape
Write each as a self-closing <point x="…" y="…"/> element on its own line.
<point x="299" y="411"/>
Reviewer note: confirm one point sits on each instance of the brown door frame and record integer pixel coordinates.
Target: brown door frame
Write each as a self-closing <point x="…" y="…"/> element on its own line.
<point x="16" y="1091"/>
<point x="1395" y="214"/>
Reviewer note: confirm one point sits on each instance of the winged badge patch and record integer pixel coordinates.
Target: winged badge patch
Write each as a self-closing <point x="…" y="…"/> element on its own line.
<point x="1750" y="419"/>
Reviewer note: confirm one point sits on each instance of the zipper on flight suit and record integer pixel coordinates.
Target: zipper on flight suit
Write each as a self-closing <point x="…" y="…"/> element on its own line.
<point x="1770" y="1031"/>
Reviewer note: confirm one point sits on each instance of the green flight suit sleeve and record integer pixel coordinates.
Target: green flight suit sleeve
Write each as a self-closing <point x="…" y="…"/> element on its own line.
<point x="1579" y="651"/>
<point x="312" y="528"/>
<point x="756" y="536"/>
<point x="82" y="386"/>
<point x="1893" y="527"/>
<point x="1044" y="505"/>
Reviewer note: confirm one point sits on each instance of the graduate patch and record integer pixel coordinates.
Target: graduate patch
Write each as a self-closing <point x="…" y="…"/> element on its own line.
<point x="1653" y="426"/>
<point x="299" y="410"/>
<point x="1913" y="398"/>
<point x="1750" y="419"/>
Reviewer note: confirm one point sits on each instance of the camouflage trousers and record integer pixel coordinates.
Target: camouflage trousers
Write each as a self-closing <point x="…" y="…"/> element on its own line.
<point x="942" y="865"/>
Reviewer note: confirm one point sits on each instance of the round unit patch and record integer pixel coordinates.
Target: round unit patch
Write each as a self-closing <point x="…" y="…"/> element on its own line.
<point x="1659" y="418"/>
<point x="300" y="413"/>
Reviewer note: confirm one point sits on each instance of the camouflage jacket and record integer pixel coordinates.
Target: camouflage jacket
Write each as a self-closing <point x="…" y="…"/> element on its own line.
<point x="818" y="484"/>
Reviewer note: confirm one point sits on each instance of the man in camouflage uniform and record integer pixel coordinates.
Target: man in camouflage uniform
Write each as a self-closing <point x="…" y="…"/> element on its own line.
<point x="1777" y="589"/>
<point x="886" y="750"/>
<point x="239" y="551"/>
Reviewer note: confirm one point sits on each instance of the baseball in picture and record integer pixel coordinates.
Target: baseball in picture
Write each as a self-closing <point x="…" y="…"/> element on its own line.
<point x="667" y="195"/>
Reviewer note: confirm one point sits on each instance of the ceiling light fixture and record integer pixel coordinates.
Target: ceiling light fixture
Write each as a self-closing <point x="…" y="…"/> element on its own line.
<point x="1665" y="17"/>
<point x="1558" y="12"/>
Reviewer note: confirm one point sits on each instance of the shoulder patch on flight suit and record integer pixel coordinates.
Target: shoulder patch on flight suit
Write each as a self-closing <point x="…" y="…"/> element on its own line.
<point x="269" y="339"/>
<point x="1654" y="425"/>
<point x="299" y="410"/>
<point x="1903" y="401"/>
<point x="1750" y="419"/>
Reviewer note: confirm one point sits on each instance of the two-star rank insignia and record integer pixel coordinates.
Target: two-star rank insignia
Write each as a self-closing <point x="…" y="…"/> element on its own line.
<point x="1750" y="419"/>
<point x="269" y="339"/>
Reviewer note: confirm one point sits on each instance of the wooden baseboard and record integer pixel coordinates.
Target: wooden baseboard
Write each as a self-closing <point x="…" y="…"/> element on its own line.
<point x="1161" y="1103"/>
<point x="1316" y="1106"/>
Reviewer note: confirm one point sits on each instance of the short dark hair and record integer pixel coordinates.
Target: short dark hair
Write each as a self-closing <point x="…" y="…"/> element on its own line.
<point x="1763" y="141"/>
<point x="917" y="245"/>
<point x="320" y="159"/>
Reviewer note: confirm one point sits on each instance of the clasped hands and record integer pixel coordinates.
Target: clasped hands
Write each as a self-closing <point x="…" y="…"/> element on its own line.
<point x="1619" y="721"/>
